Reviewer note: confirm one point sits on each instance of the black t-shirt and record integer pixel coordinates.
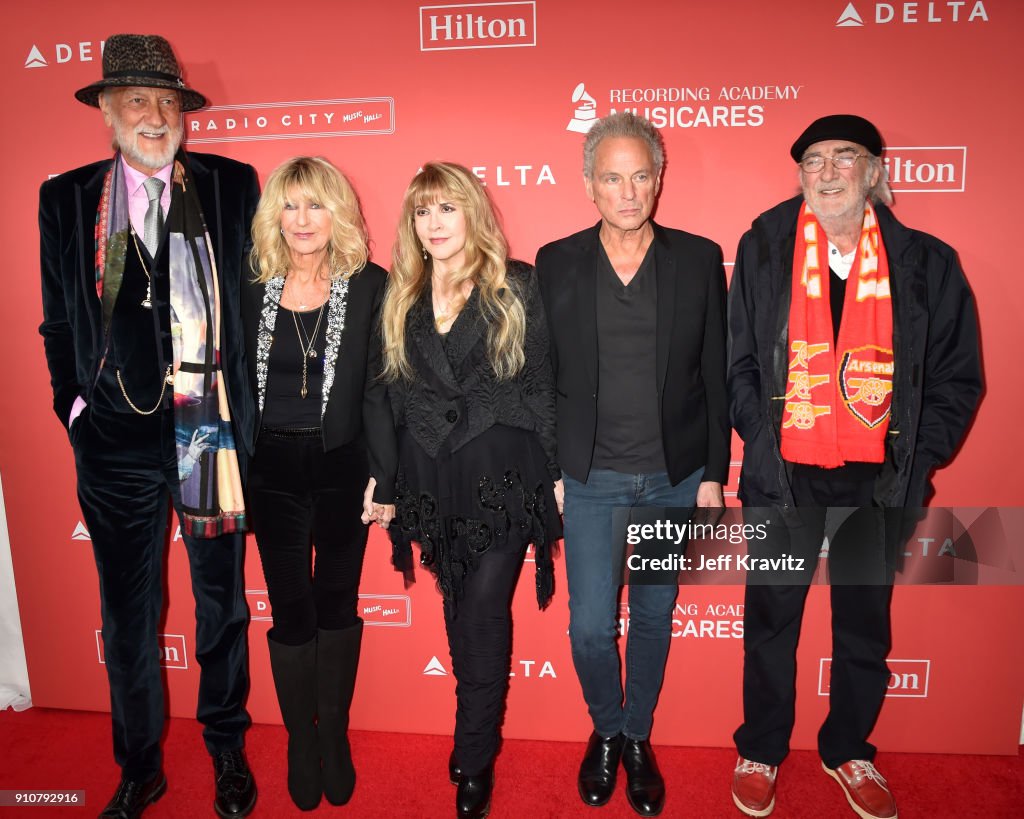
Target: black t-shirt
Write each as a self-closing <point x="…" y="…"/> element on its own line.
<point x="628" y="435"/>
<point x="284" y="407"/>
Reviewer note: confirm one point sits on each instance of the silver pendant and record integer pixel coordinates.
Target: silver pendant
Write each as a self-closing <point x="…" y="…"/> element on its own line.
<point x="312" y="353"/>
<point x="303" y="392"/>
<point x="148" y="302"/>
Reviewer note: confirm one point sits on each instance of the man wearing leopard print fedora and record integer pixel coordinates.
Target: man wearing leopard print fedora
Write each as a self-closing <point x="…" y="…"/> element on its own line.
<point x="142" y="254"/>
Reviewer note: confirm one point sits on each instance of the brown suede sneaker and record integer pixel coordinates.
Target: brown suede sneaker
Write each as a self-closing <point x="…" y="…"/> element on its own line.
<point x="753" y="787"/>
<point x="865" y="789"/>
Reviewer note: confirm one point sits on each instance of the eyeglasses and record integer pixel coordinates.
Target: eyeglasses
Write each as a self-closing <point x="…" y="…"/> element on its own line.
<point x="815" y="163"/>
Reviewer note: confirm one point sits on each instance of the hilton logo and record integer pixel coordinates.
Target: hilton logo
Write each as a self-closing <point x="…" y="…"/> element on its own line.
<point x="927" y="170"/>
<point x="478" y="25"/>
<point x="172" y="650"/>
<point x="907" y="678"/>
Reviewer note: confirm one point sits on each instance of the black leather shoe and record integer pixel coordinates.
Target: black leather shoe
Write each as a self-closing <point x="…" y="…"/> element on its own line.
<point x="236" y="789"/>
<point x="596" y="781"/>
<point x="473" y="798"/>
<point x="454" y="771"/>
<point x="645" y="789"/>
<point x="132" y="798"/>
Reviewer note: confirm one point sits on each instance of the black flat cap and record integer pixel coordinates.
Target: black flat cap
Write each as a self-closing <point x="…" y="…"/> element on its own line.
<point x="838" y="126"/>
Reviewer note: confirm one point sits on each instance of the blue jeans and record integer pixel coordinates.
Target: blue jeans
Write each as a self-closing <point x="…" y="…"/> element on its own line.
<point x="592" y="562"/>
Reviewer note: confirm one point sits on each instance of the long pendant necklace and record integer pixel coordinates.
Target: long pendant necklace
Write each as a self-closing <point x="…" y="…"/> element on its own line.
<point x="306" y="343"/>
<point x="148" y="301"/>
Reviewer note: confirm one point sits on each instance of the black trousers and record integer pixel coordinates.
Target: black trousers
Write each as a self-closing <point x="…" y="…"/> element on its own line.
<point x="127" y="472"/>
<point x="861" y="593"/>
<point x="299" y="497"/>
<point x="479" y="626"/>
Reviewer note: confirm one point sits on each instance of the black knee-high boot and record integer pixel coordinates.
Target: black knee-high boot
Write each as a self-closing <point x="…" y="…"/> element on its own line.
<point x="336" y="663"/>
<point x="294" y="669"/>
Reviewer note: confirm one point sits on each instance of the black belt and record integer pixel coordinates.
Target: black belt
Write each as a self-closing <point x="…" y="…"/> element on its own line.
<point x="292" y="432"/>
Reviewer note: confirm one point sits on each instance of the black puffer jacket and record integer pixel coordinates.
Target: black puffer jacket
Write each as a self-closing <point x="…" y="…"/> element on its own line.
<point x="937" y="380"/>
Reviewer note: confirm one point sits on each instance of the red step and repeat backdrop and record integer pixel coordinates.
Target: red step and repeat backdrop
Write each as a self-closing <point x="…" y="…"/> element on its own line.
<point x="508" y="88"/>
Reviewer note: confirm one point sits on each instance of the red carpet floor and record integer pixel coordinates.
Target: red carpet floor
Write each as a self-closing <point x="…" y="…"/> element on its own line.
<point x="405" y="776"/>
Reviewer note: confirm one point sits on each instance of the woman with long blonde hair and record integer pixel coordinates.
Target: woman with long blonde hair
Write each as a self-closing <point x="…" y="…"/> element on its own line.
<point x="469" y="375"/>
<point x="324" y="453"/>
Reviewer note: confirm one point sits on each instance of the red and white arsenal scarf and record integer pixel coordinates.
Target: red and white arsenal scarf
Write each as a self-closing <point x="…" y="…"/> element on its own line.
<point x="838" y="399"/>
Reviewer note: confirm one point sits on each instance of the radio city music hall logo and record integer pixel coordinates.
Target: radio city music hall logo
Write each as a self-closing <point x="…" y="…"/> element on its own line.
<point x="259" y="605"/>
<point x="923" y="169"/>
<point x="950" y="11"/>
<point x="172" y="648"/>
<point x="478" y="25"/>
<point x="393" y="610"/>
<point x="907" y="678"/>
<point x="358" y="116"/>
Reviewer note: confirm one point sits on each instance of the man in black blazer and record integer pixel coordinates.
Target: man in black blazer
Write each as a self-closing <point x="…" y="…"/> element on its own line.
<point x="141" y="259"/>
<point x="637" y="321"/>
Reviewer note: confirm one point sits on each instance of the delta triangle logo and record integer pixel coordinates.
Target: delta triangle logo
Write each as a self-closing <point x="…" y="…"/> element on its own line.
<point x="35" y="59"/>
<point x="435" y="669"/>
<point x="80" y="533"/>
<point x="849" y="17"/>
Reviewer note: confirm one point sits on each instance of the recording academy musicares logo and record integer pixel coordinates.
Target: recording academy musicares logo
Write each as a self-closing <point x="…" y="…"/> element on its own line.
<point x="172" y="647"/>
<point x="478" y="25"/>
<point x="907" y="678"/>
<point x="62" y="53"/>
<point x="921" y="169"/>
<point x="937" y="11"/>
<point x="298" y="119"/>
<point x="681" y="106"/>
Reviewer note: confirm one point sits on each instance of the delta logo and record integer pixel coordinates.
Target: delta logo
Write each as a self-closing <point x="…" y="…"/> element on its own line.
<point x="394" y="610"/>
<point x="434" y="668"/>
<point x="478" y="25"/>
<point x="300" y="119"/>
<point x="62" y="53"/>
<point x="80" y="532"/>
<point x="922" y="169"/>
<point x="907" y="678"/>
<point x="951" y="11"/>
<point x="172" y="648"/>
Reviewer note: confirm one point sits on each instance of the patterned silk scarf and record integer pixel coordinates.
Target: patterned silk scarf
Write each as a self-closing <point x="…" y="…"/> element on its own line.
<point x="838" y="398"/>
<point x="210" y="483"/>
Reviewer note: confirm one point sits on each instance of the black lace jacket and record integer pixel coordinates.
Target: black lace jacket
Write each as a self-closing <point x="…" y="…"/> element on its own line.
<point x="455" y="382"/>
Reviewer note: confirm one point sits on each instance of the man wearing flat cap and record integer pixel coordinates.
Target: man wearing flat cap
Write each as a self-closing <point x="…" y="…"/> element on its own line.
<point x="854" y="371"/>
<point x="142" y="256"/>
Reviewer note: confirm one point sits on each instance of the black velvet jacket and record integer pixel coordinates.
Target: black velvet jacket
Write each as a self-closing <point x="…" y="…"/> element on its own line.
<point x="72" y="314"/>
<point x="457" y="380"/>
<point x="357" y="403"/>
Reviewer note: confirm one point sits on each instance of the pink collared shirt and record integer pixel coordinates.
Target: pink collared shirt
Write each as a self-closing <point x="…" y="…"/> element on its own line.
<point x="138" y="201"/>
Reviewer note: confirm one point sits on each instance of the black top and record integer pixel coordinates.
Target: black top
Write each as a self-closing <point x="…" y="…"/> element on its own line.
<point x="628" y="435"/>
<point x="284" y="406"/>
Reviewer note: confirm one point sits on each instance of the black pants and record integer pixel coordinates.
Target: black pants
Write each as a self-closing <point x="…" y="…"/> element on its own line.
<point x="127" y="471"/>
<point x="861" y="593"/>
<point x="479" y="627"/>
<point x="298" y="497"/>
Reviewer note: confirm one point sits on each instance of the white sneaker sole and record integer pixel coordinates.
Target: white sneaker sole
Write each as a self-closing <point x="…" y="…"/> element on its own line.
<point x="750" y="811"/>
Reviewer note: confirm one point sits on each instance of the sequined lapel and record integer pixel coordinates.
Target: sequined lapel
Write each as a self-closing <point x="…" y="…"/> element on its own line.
<point x="335" y="326"/>
<point x="272" y="291"/>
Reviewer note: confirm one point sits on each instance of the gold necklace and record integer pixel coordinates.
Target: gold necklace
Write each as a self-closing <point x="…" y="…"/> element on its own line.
<point x="306" y="343"/>
<point x="148" y="301"/>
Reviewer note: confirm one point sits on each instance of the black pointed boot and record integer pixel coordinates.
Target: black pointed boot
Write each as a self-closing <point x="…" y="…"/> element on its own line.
<point x="294" y="670"/>
<point x="336" y="663"/>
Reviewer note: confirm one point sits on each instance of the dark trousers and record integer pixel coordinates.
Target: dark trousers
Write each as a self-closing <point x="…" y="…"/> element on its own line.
<point x="861" y="593"/>
<point x="127" y="470"/>
<point x="298" y="497"/>
<point x="479" y="627"/>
